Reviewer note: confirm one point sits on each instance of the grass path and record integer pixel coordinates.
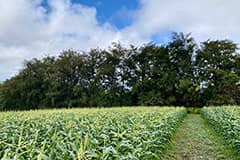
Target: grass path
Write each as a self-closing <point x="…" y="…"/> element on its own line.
<point x="196" y="140"/>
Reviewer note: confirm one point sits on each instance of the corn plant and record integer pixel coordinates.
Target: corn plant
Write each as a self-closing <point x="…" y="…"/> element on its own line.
<point x="74" y="134"/>
<point x="226" y="121"/>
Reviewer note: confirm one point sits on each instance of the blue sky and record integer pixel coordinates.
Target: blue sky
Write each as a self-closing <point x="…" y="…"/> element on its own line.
<point x="112" y="11"/>
<point x="118" y="14"/>
<point x="35" y="28"/>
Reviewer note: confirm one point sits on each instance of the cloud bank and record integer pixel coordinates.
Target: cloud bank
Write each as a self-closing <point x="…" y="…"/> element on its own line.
<point x="28" y="29"/>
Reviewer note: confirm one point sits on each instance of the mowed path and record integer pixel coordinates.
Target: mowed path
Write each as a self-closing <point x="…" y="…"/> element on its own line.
<point x="196" y="140"/>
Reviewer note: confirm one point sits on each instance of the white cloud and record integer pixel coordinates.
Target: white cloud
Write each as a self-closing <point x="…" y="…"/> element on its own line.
<point x="29" y="30"/>
<point x="203" y="18"/>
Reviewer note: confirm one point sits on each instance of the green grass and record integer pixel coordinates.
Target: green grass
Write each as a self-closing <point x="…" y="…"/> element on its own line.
<point x="196" y="140"/>
<point x="192" y="110"/>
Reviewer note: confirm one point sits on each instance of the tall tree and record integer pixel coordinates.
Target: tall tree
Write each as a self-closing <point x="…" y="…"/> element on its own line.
<point x="181" y="70"/>
<point x="68" y="80"/>
<point x="178" y="73"/>
<point x="216" y="65"/>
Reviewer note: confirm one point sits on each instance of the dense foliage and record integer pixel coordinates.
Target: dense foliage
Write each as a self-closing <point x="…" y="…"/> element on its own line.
<point x="226" y="121"/>
<point x="180" y="73"/>
<point x="119" y="133"/>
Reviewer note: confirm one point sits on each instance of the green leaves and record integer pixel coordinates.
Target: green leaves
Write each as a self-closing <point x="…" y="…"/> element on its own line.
<point x="120" y="133"/>
<point x="179" y="73"/>
<point x="226" y="121"/>
<point x="216" y="62"/>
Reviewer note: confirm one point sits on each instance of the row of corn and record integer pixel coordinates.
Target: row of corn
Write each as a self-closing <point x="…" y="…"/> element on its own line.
<point x="119" y="133"/>
<point x="226" y="121"/>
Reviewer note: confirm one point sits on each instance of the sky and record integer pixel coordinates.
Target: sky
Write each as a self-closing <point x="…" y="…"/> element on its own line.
<point x="36" y="28"/>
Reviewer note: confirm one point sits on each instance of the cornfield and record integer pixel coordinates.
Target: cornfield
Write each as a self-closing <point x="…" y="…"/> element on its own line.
<point x="226" y="121"/>
<point x="119" y="133"/>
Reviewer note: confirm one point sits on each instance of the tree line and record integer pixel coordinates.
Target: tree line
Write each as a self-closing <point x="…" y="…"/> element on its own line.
<point x="179" y="73"/>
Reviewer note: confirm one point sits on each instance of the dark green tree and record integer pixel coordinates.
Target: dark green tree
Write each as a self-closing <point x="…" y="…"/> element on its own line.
<point x="216" y="64"/>
<point x="181" y="73"/>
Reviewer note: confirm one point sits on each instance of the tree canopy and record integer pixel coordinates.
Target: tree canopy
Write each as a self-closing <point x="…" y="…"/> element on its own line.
<point x="180" y="73"/>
